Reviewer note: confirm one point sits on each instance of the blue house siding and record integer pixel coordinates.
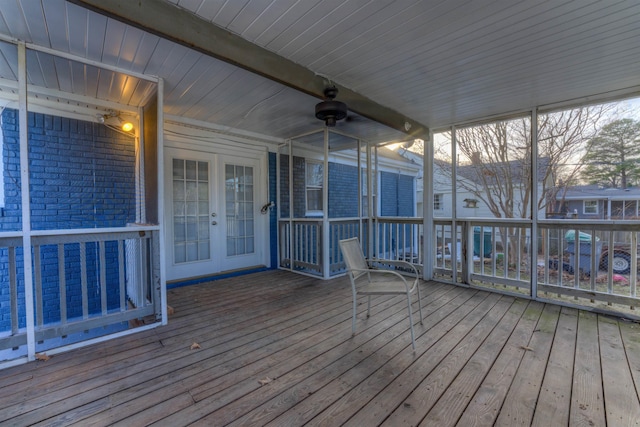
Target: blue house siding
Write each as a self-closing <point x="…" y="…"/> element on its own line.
<point x="397" y="196"/>
<point x="343" y="191"/>
<point x="82" y="175"/>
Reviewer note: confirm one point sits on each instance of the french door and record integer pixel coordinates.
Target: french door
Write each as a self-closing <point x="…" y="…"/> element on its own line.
<point x="212" y="217"/>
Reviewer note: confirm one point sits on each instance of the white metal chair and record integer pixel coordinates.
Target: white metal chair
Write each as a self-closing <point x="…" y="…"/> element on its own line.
<point x="370" y="277"/>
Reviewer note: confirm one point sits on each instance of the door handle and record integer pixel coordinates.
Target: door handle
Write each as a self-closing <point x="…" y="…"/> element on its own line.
<point x="213" y="215"/>
<point x="214" y="223"/>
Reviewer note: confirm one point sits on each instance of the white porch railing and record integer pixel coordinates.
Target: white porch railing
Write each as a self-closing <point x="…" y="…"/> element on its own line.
<point x="302" y="250"/>
<point x="301" y="245"/>
<point x="598" y="269"/>
<point x="399" y="239"/>
<point x="83" y="280"/>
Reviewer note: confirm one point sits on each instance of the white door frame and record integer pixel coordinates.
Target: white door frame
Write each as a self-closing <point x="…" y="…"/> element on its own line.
<point x="222" y="155"/>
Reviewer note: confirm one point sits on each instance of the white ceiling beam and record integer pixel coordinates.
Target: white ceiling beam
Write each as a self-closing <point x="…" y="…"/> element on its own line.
<point x="173" y="23"/>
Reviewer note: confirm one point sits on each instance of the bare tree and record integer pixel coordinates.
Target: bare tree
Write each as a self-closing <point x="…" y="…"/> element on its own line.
<point x="494" y="160"/>
<point x="499" y="158"/>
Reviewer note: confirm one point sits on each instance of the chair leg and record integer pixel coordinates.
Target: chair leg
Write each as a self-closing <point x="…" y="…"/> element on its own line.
<point x="369" y="306"/>
<point x="413" y="339"/>
<point x="353" y="319"/>
<point x="420" y="304"/>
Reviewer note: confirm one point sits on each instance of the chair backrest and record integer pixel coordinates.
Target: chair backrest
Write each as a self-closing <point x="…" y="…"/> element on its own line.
<point x="353" y="257"/>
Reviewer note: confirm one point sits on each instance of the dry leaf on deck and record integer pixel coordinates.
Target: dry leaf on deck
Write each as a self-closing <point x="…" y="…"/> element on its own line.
<point x="195" y="346"/>
<point x="42" y="356"/>
<point x="524" y="347"/>
<point x="265" y="381"/>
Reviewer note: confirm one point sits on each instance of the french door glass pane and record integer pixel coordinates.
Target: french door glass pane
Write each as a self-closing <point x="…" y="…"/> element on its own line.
<point x="191" y="211"/>
<point x="240" y="206"/>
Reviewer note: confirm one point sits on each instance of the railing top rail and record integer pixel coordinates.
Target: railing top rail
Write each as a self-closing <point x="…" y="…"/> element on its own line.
<point x="94" y="231"/>
<point x="616" y="225"/>
<point x="487" y="221"/>
<point x="10" y="234"/>
<point x="399" y="219"/>
<point x="318" y="220"/>
<point x="10" y="241"/>
<point x="349" y="219"/>
<point x="605" y="224"/>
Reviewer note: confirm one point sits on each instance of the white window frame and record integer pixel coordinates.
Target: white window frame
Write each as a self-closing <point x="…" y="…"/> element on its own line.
<point x="438" y="199"/>
<point x="307" y="187"/>
<point x="588" y="204"/>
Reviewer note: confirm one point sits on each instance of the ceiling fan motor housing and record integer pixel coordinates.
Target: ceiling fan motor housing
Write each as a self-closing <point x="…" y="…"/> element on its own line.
<point x="329" y="110"/>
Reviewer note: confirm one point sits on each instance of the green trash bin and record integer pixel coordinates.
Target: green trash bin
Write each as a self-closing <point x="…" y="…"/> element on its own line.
<point x="486" y="242"/>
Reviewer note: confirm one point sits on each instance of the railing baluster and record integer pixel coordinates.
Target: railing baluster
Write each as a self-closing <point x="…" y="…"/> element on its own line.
<point x="576" y="260"/>
<point x="520" y="245"/>
<point x="13" y="290"/>
<point x="37" y="278"/>
<point x="634" y="266"/>
<point x="121" y="276"/>
<point x="62" y="279"/>
<point x="102" y="285"/>
<point x="84" y="281"/>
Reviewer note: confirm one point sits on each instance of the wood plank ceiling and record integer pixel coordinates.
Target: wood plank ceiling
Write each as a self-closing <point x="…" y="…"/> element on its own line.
<point x="436" y="62"/>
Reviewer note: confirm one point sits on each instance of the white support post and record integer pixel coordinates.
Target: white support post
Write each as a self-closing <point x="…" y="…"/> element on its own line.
<point x="141" y="208"/>
<point x="370" y="208"/>
<point x="326" y="231"/>
<point x="160" y="166"/>
<point x="454" y="208"/>
<point x="26" y="201"/>
<point x="359" y="166"/>
<point x="428" y="241"/>
<point x="533" y="250"/>
<point x="292" y="248"/>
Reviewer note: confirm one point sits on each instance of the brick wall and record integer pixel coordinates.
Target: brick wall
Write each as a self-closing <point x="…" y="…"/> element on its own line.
<point x="343" y="191"/>
<point x="82" y="175"/>
<point x="397" y="196"/>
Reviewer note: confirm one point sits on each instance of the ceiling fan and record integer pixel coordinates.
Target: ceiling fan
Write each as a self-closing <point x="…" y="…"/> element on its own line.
<point x="330" y="110"/>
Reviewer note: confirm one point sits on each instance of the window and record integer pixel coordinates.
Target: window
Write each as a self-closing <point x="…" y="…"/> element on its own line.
<point x="314" y="179"/>
<point x="590" y="207"/>
<point x="437" y="202"/>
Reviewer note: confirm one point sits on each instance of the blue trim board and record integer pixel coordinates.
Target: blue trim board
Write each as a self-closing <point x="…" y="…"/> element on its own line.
<point x="189" y="282"/>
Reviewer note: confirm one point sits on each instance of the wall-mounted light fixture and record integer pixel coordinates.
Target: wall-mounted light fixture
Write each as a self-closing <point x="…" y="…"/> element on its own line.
<point x="114" y="120"/>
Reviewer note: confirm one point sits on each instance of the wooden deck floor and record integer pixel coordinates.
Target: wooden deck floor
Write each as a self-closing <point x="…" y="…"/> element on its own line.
<point x="481" y="359"/>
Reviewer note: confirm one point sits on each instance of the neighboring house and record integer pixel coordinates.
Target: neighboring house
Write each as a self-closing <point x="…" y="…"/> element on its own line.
<point x="468" y="202"/>
<point x="595" y="202"/>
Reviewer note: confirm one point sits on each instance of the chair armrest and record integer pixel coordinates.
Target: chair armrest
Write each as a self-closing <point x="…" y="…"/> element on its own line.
<point x="395" y="263"/>
<point x="389" y="272"/>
